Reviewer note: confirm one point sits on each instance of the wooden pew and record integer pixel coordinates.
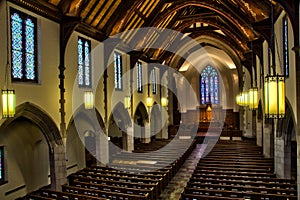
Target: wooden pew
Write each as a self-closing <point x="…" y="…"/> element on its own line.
<point x="124" y="189"/>
<point x="103" y="194"/>
<point x="152" y="190"/>
<point x="67" y="195"/>
<point x="237" y="194"/>
<point x="258" y="189"/>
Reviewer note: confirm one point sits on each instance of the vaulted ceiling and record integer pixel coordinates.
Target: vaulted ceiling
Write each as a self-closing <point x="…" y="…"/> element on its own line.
<point x="236" y="24"/>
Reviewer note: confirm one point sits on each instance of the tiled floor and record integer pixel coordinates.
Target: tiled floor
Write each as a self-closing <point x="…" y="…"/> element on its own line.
<point x="179" y="181"/>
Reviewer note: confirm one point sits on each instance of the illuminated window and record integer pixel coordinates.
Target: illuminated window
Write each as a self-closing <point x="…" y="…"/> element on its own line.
<point x="84" y="62"/>
<point x="23" y="29"/>
<point x="139" y="77"/>
<point x="285" y="41"/>
<point x="118" y="71"/>
<point x="154" y="81"/>
<point x="209" y="86"/>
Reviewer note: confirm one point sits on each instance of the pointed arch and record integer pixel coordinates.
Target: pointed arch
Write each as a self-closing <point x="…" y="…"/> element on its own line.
<point x="46" y="124"/>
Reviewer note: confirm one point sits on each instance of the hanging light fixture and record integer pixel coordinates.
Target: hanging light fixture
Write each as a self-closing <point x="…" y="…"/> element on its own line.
<point x="253" y="98"/>
<point x="88" y="100"/>
<point x="238" y="99"/>
<point x="8" y="103"/>
<point x="274" y="88"/>
<point x="164" y="102"/>
<point x="245" y="98"/>
<point x="127" y="102"/>
<point x="149" y="102"/>
<point x="8" y="95"/>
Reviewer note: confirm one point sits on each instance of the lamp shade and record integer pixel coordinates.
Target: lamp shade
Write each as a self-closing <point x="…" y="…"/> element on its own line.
<point x="88" y="100"/>
<point x="253" y="98"/>
<point x="127" y="102"/>
<point x="245" y="98"/>
<point x="164" y="101"/>
<point x="274" y="99"/>
<point x="149" y="102"/>
<point x="8" y="103"/>
<point x="238" y="99"/>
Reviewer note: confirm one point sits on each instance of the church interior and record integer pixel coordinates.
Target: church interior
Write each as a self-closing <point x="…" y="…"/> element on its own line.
<point x="149" y="99"/>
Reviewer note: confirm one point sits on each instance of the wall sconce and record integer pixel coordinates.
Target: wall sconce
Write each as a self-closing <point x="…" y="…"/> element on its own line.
<point x="8" y="103"/>
<point x="253" y="98"/>
<point x="88" y="100"/>
<point x="127" y="102"/>
<point x="164" y="102"/>
<point x="149" y="102"/>
<point x="274" y="90"/>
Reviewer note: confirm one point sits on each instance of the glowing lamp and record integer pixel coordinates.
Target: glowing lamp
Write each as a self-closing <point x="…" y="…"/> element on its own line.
<point x="238" y="99"/>
<point x="164" y="101"/>
<point x="149" y="102"/>
<point x="253" y="98"/>
<point x="88" y="100"/>
<point x="127" y="102"/>
<point x="274" y="98"/>
<point x="245" y="98"/>
<point x="8" y="103"/>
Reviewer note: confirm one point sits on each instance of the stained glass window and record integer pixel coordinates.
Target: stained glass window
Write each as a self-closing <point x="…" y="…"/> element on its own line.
<point x="139" y="77"/>
<point x="23" y="46"/>
<point x="84" y="62"/>
<point x="118" y="71"/>
<point x="285" y="41"/>
<point x="209" y="86"/>
<point x="154" y="82"/>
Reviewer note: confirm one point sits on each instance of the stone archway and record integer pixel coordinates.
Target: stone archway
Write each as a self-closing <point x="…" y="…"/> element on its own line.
<point x="286" y="145"/>
<point x="119" y="129"/>
<point x="141" y="125"/>
<point x="84" y="127"/>
<point x="45" y="123"/>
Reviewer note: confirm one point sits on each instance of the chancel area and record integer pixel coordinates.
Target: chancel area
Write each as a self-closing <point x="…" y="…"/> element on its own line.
<point x="149" y="99"/>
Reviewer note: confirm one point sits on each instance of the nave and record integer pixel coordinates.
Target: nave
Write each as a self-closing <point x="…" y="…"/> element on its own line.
<point x="231" y="170"/>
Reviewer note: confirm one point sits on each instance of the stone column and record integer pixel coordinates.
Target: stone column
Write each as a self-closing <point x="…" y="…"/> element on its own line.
<point x="279" y="157"/>
<point x="60" y="169"/>
<point x="259" y="133"/>
<point x="102" y="148"/>
<point x="128" y="139"/>
<point x="267" y="140"/>
<point x="147" y="133"/>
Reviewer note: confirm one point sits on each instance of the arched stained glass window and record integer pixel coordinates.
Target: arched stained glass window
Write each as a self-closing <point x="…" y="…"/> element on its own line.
<point x="118" y="71"/>
<point x="84" y="62"/>
<point x="154" y="81"/>
<point x="139" y="77"/>
<point x="285" y="41"/>
<point x="23" y="46"/>
<point x="209" y="86"/>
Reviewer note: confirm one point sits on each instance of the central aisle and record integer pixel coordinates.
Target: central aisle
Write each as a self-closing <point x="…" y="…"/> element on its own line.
<point x="179" y="181"/>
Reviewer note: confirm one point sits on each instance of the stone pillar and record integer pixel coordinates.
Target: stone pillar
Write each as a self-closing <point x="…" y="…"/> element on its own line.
<point x="259" y="133"/>
<point x="146" y="137"/>
<point x="267" y="140"/>
<point x="102" y="148"/>
<point x="128" y="139"/>
<point x="298" y="165"/>
<point x="279" y="157"/>
<point x="60" y="169"/>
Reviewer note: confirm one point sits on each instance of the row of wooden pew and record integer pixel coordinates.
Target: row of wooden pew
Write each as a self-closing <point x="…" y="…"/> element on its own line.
<point x="237" y="170"/>
<point x="138" y="176"/>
